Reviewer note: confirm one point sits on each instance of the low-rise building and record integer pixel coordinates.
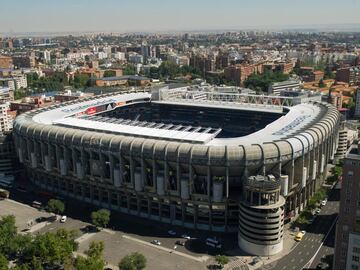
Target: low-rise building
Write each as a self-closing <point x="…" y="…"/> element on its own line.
<point x="123" y="80"/>
<point x="6" y="62"/>
<point x="276" y="88"/>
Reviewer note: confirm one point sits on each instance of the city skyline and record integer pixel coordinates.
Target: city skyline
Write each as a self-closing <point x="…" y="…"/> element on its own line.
<point x="159" y="15"/>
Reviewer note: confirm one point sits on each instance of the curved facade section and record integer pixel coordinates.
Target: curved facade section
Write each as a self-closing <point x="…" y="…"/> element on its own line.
<point x="261" y="216"/>
<point x="188" y="176"/>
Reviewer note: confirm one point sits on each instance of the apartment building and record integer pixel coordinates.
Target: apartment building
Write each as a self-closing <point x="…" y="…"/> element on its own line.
<point x="347" y="241"/>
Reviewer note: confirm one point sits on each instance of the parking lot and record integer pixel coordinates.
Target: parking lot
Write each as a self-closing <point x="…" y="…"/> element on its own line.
<point x="117" y="243"/>
<point x="24" y="214"/>
<point x="118" y="246"/>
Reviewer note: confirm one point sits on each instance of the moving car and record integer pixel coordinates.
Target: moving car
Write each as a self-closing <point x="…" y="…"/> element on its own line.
<point x="299" y="236"/>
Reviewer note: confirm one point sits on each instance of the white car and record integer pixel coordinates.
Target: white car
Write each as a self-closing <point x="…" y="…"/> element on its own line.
<point x="171" y="232"/>
<point x="303" y="232"/>
<point x="185" y="236"/>
<point x="63" y="219"/>
<point x="156" y="242"/>
<point x="323" y="203"/>
<point x="317" y="211"/>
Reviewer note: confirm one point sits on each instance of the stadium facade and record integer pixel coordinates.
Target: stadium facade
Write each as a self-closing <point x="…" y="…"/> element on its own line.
<point x="211" y="161"/>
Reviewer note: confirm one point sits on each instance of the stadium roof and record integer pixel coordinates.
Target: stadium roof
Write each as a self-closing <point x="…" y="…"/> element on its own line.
<point x="82" y="115"/>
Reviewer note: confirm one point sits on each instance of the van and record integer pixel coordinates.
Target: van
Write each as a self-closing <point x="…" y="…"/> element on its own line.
<point x="36" y="204"/>
<point x="299" y="236"/>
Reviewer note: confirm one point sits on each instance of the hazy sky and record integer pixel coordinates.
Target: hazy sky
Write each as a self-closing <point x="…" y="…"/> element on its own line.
<point x="160" y="15"/>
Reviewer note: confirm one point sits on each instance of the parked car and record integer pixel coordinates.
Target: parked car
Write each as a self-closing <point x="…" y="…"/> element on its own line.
<point x="180" y="243"/>
<point x="171" y="232"/>
<point x="323" y="202"/>
<point x="40" y="219"/>
<point x="36" y="204"/>
<point x="63" y="219"/>
<point x="156" y="242"/>
<point x="185" y="236"/>
<point x="322" y="266"/>
<point x="317" y="211"/>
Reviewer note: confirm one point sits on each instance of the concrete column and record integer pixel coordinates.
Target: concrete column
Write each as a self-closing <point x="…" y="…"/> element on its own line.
<point x="138" y="179"/>
<point x="184" y="190"/>
<point x="111" y="163"/>
<point x="117" y="177"/>
<point x="208" y="181"/>
<point x="160" y="183"/>
<point x="218" y="191"/>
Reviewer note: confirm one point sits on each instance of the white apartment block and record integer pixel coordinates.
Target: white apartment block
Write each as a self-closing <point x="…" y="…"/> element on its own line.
<point x="5" y="120"/>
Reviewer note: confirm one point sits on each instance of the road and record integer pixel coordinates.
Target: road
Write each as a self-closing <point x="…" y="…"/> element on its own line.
<point x="317" y="242"/>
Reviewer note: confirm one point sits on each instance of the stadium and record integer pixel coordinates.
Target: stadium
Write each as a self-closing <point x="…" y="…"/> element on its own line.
<point x="211" y="161"/>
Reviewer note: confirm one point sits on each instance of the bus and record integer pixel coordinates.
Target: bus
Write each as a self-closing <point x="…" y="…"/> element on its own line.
<point x="213" y="242"/>
<point x="4" y="194"/>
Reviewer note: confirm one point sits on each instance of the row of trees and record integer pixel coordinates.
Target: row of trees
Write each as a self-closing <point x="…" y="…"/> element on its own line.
<point x="100" y="218"/>
<point x="55" y="82"/>
<point x="54" y="250"/>
<point x="171" y="70"/>
<point x="261" y="82"/>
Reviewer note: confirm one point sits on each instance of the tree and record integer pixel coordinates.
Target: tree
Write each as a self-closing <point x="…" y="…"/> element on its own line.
<point x="328" y="74"/>
<point x="96" y="249"/>
<point x="109" y="73"/>
<point x="3" y="263"/>
<point x="94" y="260"/>
<point x="8" y="231"/>
<point x="129" y="70"/>
<point x="51" y="249"/>
<point x="56" y="206"/>
<point x="221" y="260"/>
<point x="100" y="218"/>
<point x="133" y="261"/>
<point x="262" y="81"/>
<point x="80" y="80"/>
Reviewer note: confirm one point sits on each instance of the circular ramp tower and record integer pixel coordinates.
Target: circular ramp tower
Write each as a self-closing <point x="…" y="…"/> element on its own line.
<point x="261" y="216"/>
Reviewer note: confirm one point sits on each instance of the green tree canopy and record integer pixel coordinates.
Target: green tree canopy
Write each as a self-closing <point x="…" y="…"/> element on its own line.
<point x="100" y="218"/>
<point x="129" y="70"/>
<point x="94" y="260"/>
<point x="261" y="82"/>
<point x="109" y="73"/>
<point x="56" y="206"/>
<point x="133" y="261"/>
<point x="8" y="231"/>
<point x="221" y="260"/>
<point x="80" y="80"/>
<point x="3" y="263"/>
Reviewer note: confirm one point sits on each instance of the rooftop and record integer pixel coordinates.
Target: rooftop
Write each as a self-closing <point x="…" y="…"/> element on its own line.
<point x="123" y="78"/>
